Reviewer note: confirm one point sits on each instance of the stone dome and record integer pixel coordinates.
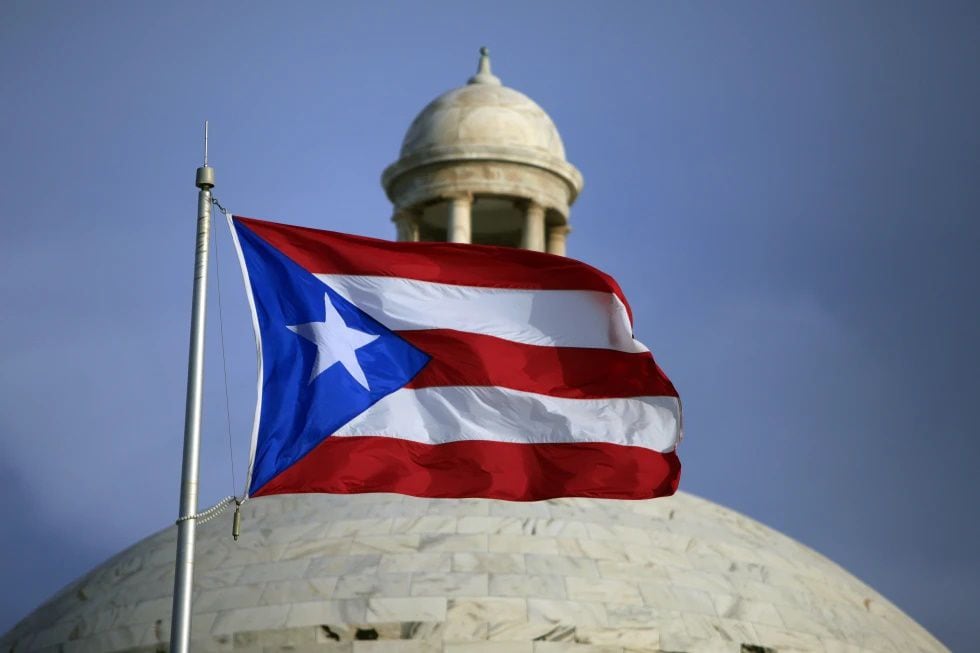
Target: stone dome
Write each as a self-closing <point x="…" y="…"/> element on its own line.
<point x="483" y="115"/>
<point x="376" y="573"/>
<point x="483" y="138"/>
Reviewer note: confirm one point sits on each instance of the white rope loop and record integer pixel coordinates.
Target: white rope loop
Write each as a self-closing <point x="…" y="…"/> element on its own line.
<point x="213" y="511"/>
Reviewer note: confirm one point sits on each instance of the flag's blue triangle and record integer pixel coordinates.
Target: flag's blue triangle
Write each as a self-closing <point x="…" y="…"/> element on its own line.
<point x="297" y="413"/>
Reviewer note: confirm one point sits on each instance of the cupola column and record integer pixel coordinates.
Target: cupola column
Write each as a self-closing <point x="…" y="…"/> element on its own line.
<point x="556" y="239"/>
<point x="460" y="228"/>
<point x="407" y="224"/>
<point x="533" y="235"/>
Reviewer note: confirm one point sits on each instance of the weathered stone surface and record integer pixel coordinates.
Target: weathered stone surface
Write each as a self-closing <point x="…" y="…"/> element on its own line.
<point x="582" y="574"/>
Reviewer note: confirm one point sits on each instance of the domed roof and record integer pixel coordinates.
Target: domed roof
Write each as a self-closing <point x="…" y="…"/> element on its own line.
<point x="483" y="114"/>
<point x="314" y="572"/>
<point x="483" y="123"/>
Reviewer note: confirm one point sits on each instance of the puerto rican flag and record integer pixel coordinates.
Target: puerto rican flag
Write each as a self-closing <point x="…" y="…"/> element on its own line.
<point x="448" y="370"/>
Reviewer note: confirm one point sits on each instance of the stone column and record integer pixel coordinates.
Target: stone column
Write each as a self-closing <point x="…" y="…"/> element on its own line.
<point x="460" y="228"/>
<point x="407" y="224"/>
<point x="533" y="235"/>
<point x="556" y="238"/>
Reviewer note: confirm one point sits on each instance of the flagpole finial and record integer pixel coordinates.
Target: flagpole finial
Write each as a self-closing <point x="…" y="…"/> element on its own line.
<point x="205" y="174"/>
<point x="483" y="74"/>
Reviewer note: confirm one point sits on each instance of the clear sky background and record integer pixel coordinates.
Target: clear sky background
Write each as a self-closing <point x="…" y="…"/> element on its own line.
<point x="788" y="192"/>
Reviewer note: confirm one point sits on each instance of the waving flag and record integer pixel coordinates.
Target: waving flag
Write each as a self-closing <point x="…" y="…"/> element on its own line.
<point x="447" y="370"/>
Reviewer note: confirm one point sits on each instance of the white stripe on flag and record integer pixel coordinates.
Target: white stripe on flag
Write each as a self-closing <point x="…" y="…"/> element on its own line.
<point x="446" y="414"/>
<point x="556" y="318"/>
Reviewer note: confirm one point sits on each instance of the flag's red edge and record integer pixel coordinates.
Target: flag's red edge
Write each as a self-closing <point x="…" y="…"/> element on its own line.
<point x="471" y="359"/>
<point x="483" y="266"/>
<point x="481" y="469"/>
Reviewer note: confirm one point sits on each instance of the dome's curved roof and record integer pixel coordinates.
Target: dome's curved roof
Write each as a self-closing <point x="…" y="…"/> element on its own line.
<point x="483" y="114"/>
<point x="316" y="572"/>
<point x="484" y="123"/>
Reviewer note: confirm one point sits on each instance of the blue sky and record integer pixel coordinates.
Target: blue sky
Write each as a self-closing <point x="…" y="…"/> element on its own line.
<point x="789" y="194"/>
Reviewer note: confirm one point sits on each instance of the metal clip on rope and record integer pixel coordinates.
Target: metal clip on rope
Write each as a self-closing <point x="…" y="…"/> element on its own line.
<point x="214" y="200"/>
<point x="236" y="524"/>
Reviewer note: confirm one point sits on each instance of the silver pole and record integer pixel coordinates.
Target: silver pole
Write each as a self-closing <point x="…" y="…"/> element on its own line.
<point x="180" y="629"/>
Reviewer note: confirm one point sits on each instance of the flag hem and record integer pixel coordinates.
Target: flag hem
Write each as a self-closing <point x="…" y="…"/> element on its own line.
<point x="260" y="370"/>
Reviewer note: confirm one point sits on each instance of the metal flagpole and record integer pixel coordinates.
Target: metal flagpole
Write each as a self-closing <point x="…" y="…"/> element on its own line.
<point x="180" y="628"/>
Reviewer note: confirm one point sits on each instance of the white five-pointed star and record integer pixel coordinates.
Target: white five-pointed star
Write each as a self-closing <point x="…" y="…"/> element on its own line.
<point x="335" y="343"/>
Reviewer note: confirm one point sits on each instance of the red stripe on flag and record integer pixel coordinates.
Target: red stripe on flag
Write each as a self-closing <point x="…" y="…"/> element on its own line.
<point x="491" y="470"/>
<point x="484" y="266"/>
<point x="471" y="359"/>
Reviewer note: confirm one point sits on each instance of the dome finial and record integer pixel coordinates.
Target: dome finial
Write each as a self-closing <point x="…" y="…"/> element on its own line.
<point x="483" y="74"/>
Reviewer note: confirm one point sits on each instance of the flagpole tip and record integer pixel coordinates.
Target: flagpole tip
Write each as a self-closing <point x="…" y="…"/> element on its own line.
<point x="205" y="174"/>
<point x="205" y="178"/>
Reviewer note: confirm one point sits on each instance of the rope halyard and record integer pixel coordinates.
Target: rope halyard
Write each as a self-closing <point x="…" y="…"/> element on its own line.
<point x="224" y="360"/>
<point x="216" y="510"/>
<point x="213" y="511"/>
